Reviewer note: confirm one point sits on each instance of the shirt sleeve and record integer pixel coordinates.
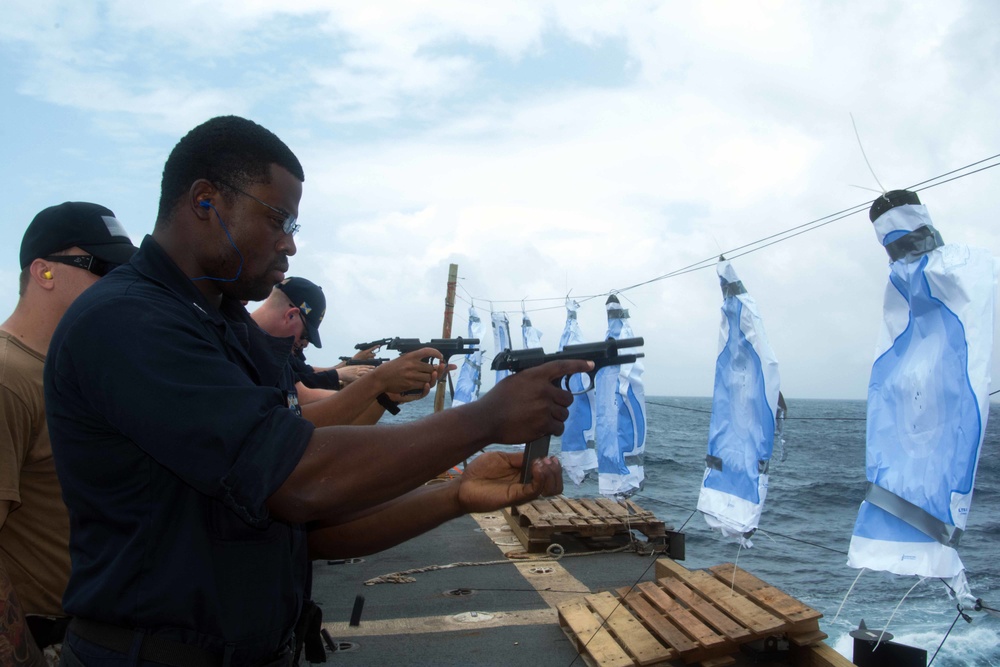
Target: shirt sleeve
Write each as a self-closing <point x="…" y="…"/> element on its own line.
<point x="15" y="422"/>
<point x="157" y="374"/>
<point x="320" y="380"/>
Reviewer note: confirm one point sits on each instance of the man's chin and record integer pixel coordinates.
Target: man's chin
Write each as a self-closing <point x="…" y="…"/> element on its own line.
<point x="256" y="291"/>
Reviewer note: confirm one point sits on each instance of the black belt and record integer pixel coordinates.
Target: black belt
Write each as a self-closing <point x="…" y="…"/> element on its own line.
<point x="157" y="649"/>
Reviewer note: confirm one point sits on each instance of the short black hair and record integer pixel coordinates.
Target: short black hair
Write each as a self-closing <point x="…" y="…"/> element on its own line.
<point x="230" y="149"/>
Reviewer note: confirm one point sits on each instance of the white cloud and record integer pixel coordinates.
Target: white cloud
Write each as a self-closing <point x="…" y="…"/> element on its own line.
<point x="721" y="123"/>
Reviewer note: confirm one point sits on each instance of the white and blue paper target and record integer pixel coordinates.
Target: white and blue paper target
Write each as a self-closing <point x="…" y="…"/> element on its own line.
<point x="579" y="453"/>
<point x="470" y="375"/>
<point x="621" y="416"/>
<point x="742" y="428"/>
<point x="928" y="400"/>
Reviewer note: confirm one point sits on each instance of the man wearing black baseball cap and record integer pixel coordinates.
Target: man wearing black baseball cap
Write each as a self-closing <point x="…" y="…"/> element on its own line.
<point x="308" y="298"/>
<point x="295" y="309"/>
<point x="65" y="250"/>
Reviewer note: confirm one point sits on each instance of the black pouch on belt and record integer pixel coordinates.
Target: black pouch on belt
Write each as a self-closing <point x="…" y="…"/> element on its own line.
<point x="47" y="631"/>
<point x="307" y="634"/>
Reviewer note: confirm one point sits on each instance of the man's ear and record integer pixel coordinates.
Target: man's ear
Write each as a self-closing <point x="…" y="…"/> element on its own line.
<point x="202" y="198"/>
<point x="41" y="274"/>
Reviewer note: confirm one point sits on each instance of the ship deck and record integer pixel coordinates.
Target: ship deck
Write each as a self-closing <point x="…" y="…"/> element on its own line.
<point x="484" y="608"/>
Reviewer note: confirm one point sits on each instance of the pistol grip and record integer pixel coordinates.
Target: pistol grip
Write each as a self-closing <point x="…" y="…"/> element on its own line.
<point x="535" y="449"/>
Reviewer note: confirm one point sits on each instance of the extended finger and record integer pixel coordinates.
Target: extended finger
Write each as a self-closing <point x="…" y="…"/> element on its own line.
<point x="425" y="353"/>
<point x="557" y="369"/>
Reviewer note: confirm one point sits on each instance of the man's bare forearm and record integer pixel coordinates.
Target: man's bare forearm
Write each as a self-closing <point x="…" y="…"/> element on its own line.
<point x="348" y="469"/>
<point x="388" y="524"/>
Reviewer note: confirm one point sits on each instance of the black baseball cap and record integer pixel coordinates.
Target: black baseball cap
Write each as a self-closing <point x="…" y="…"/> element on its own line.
<point x="90" y="227"/>
<point x="308" y="298"/>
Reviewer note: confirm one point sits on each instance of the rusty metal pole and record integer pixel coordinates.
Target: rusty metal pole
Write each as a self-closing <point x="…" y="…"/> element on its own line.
<point x="449" y="311"/>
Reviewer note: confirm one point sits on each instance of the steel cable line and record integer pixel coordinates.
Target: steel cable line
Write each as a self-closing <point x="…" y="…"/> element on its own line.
<point x="762" y="242"/>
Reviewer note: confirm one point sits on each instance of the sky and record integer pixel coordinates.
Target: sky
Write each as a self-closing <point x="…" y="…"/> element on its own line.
<point x="546" y="148"/>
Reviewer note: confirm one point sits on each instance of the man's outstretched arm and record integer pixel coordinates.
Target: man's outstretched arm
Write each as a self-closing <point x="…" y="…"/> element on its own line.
<point x="490" y="481"/>
<point x="350" y="469"/>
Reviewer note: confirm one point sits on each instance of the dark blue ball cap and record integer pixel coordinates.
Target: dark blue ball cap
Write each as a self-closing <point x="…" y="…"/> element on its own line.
<point x="308" y="297"/>
<point x="90" y="227"/>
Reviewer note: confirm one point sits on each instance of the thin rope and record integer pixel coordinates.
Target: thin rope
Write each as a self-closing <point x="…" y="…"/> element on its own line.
<point x="787" y="537"/>
<point x="732" y="587"/>
<point x="693" y="512"/>
<point x="961" y="614"/>
<point x="882" y="634"/>
<point x="865" y="155"/>
<point x="760" y="244"/>
<point x="842" y="602"/>
<point x="708" y="412"/>
<point x="402" y="577"/>
<point x="604" y="620"/>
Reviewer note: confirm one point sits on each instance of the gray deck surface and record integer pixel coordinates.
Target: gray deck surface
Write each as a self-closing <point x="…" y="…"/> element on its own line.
<point x="417" y="623"/>
<point x="495" y="589"/>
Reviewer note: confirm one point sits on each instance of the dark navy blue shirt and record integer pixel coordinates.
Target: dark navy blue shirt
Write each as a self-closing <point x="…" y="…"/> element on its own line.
<point x="312" y="378"/>
<point x="171" y="425"/>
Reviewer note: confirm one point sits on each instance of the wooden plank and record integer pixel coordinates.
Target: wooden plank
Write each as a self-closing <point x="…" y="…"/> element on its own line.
<point x="583" y="515"/>
<point x="597" y="509"/>
<point x="806" y="638"/>
<point x="572" y="518"/>
<point x="590" y="638"/>
<point x="705" y="610"/>
<point x="521" y="533"/>
<point x="583" y="507"/>
<point x="664" y="627"/>
<point x="773" y="599"/>
<point x="818" y="655"/>
<point x="724" y="661"/>
<point x="544" y="508"/>
<point x="688" y="622"/>
<point x="613" y="508"/>
<point x="527" y="514"/>
<point x="636" y="639"/>
<point x="666" y="567"/>
<point x="758" y="619"/>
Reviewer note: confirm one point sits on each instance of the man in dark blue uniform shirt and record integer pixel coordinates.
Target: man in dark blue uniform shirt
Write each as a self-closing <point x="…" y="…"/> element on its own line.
<point x="188" y="472"/>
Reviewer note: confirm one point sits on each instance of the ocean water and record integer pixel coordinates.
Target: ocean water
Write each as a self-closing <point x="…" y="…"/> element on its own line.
<point x="805" y="529"/>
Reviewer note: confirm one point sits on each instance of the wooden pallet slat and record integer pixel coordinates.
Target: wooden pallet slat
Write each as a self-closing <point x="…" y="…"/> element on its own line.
<point x="702" y="616"/>
<point x="590" y="637"/>
<point x="768" y="596"/>
<point x="631" y="633"/>
<point x="663" y="626"/>
<point x="740" y="608"/>
<point x="705" y="610"/>
<point x="692" y="625"/>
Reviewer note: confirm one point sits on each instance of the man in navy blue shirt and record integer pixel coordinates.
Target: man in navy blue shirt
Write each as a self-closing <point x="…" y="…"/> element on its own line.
<point x="188" y="472"/>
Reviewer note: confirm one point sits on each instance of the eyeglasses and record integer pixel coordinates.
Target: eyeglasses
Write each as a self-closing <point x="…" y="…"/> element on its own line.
<point x="98" y="267"/>
<point x="289" y="225"/>
<point x="305" y="326"/>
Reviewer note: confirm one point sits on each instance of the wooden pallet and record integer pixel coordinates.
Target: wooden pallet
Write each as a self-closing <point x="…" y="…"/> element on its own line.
<point x="689" y="617"/>
<point x="536" y="522"/>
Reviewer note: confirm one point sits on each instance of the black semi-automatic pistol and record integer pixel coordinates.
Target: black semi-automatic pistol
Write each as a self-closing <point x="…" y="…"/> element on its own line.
<point x="446" y="346"/>
<point x="375" y="343"/>
<point x="350" y="361"/>
<point x="603" y="354"/>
